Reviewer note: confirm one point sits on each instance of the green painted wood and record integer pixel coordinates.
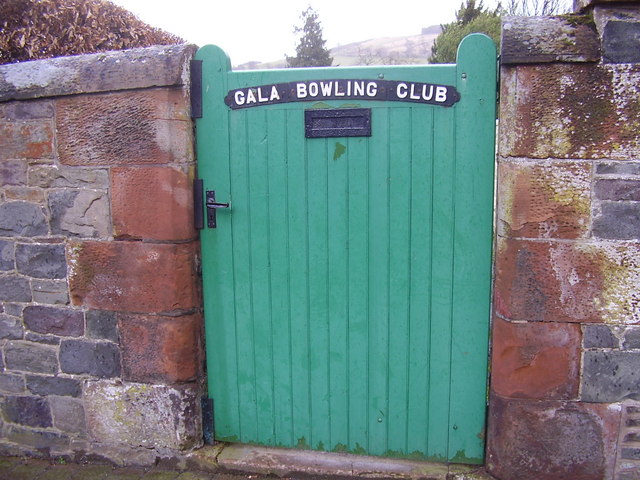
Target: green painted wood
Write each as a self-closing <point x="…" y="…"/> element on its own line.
<point x="347" y="288"/>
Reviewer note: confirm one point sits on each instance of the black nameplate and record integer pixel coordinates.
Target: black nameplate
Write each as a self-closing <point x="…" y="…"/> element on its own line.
<point x="348" y="122"/>
<point x="342" y="89"/>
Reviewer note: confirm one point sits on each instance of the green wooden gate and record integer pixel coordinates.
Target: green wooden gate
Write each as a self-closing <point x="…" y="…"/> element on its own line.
<point x="347" y="286"/>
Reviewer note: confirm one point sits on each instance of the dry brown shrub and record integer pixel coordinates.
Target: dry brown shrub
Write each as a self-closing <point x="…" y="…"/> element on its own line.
<point x="32" y="29"/>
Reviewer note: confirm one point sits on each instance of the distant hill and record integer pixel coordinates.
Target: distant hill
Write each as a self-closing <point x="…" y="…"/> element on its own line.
<point x="412" y="49"/>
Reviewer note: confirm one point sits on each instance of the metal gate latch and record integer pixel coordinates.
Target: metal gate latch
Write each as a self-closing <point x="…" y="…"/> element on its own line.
<point x="212" y="205"/>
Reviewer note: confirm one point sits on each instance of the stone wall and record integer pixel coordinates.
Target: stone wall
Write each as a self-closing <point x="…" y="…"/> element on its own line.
<point x="100" y="318"/>
<point x="566" y="334"/>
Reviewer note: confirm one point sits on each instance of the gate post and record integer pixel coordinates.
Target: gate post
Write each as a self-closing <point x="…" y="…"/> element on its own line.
<point x="565" y="356"/>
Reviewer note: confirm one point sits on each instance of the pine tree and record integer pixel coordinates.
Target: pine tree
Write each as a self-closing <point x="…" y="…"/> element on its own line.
<point x="311" y="51"/>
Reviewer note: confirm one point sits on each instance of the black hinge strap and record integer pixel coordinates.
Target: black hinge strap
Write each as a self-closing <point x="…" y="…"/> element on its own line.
<point x="198" y="197"/>
<point x="196" y="88"/>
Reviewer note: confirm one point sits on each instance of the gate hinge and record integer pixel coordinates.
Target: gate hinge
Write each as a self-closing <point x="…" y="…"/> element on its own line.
<point x="208" y="426"/>
<point x="198" y="197"/>
<point x="196" y="88"/>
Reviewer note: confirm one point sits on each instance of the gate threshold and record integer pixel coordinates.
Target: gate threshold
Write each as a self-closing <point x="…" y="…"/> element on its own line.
<point x="293" y="463"/>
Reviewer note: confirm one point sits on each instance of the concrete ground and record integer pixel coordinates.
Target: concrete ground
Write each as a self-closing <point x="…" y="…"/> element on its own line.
<point x="238" y="462"/>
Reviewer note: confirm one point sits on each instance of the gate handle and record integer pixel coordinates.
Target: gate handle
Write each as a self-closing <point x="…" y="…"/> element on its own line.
<point x="212" y="205"/>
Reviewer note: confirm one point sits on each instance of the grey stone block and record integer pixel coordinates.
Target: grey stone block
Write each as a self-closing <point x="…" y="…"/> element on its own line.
<point x="14" y="288"/>
<point x="622" y="168"/>
<point x="631" y="338"/>
<point x="39" y="338"/>
<point x="54" y="320"/>
<point x="630" y="453"/>
<point x="102" y="324"/>
<point x="155" y="66"/>
<point x="22" y="219"/>
<point x="617" y="189"/>
<point x="97" y="359"/>
<point x="13" y="172"/>
<point x="10" y="327"/>
<point x="26" y="110"/>
<point x="83" y="213"/>
<point x="29" y="411"/>
<point x="68" y="414"/>
<point x="53" y="292"/>
<point x="618" y="220"/>
<point x="53" y="176"/>
<point x="41" y="261"/>
<point x="31" y="357"/>
<point x="40" y="440"/>
<point x="141" y="415"/>
<point x="599" y="336"/>
<point x="610" y="376"/>
<point x="41" y="385"/>
<point x="7" y="259"/>
<point x="10" y="383"/>
<point x="13" y="309"/>
<point x="621" y="42"/>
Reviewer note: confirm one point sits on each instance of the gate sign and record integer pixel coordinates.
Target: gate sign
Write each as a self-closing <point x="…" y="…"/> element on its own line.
<point x="342" y="89"/>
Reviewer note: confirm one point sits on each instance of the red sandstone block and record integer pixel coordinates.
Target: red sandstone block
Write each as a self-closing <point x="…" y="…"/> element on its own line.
<point x="551" y="440"/>
<point x="133" y="276"/>
<point x="138" y="127"/>
<point x="570" y="110"/>
<point x="544" y="199"/>
<point x="567" y="282"/>
<point x="158" y="349"/>
<point x="536" y="360"/>
<point x="152" y="203"/>
<point x="30" y="140"/>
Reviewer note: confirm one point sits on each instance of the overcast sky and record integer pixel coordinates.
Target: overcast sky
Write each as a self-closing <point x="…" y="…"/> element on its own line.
<point x="262" y="30"/>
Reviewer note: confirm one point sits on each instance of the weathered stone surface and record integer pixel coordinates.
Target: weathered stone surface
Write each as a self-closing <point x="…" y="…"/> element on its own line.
<point x="123" y="128"/>
<point x="161" y="65"/>
<point x="30" y="411"/>
<point x="7" y="259"/>
<point x="617" y="220"/>
<point x="33" y="110"/>
<point x="10" y="327"/>
<point x="617" y="189"/>
<point x="68" y="414"/>
<point x="41" y="260"/>
<point x="54" y="320"/>
<point x="38" y="439"/>
<point x="42" y="338"/>
<point x="12" y="309"/>
<point x="31" y="357"/>
<point x="544" y="199"/>
<point x="54" y="176"/>
<point x="160" y="349"/>
<point x="14" y="288"/>
<point x="102" y="325"/>
<point x="566" y="282"/>
<point x="54" y="292"/>
<point x="621" y="42"/>
<point x="599" y="336"/>
<point x="10" y="383"/>
<point x="25" y="194"/>
<point x="13" y="172"/>
<point x="44" y="386"/>
<point x="631" y="338"/>
<point x="82" y="213"/>
<point x="133" y="276"/>
<point x="570" y="111"/>
<point x="100" y="359"/>
<point x="549" y="39"/>
<point x="610" y="376"/>
<point x="139" y="415"/>
<point x="551" y="440"/>
<point x="22" y="219"/>
<point x="152" y="203"/>
<point x="29" y="140"/>
<point x="618" y="168"/>
<point x="536" y="360"/>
